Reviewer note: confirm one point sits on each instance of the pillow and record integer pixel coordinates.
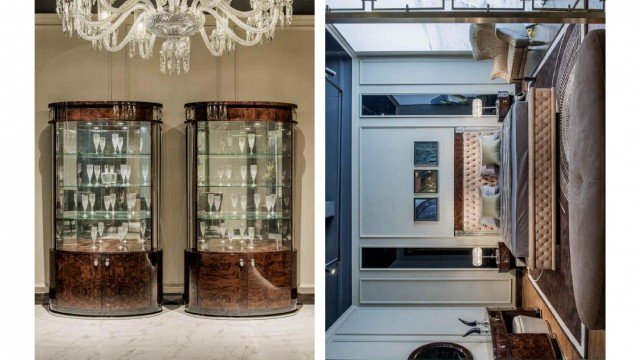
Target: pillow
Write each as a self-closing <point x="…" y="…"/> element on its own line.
<point x="490" y="206"/>
<point x="490" y="146"/>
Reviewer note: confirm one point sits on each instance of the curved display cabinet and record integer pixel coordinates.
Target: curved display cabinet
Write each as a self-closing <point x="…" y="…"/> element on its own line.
<point x="106" y="258"/>
<point x="240" y="258"/>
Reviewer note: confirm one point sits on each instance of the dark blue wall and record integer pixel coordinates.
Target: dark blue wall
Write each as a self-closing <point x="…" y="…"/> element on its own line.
<point x="337" y="181"/>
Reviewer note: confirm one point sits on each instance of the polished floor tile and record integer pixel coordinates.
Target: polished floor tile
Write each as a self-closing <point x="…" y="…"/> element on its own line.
<point x="174" y="334"/>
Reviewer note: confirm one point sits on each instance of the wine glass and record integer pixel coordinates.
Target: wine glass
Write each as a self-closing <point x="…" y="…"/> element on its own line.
<point x="145" y="172"/>
<point x="228" y="172"/>
<point x="122" y="236"/>
<point x="61" y="200"/>
<point x="96" y="142"/>
<point x="256" y="200"/>
<point x="271" y="199"/>
<point x="131" y="203"/>
<point x="92" y="201"/>
<point x="203" y="230"/>
<point x="252" y="234"/>
<point x="103" y="143"/>
<point x="100" y="231"/>
<point x="241" y="142"/>
<point x="120" y="144"/>
<point x="210" y="202"/>
<point x="243" y="174"/>
<point x="114" y="142"/>
<point x="147" y="200"/>
<point x="217" y="201"/>
<point x="89" y="172"/>
<point x="223" y="230"/>
<point x="123" y="173"/>
<point x="220" y="174"/>
<point x="107" y="201"/>
<point x="242" y="229"/>
<point x="97" y="170"/>
<point x="252" y="141"/>
<point x="234" y="201"/>
<point x="128" y="174"/>
<point x="85" y="204"/>
<point x="113" y="204"/>
<point x="254" y="172"/>
<point x="230" y="143"/>
<point x="243" y="205"/>
<point x="94" y="236"/>
<point x="143" y="229"/>
<point x="230" y="237"/>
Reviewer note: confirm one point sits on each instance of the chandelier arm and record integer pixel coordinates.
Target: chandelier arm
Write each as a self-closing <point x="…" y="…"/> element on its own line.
<point x="109" y="30"/>
<point x="149" y="48"/>
<point x="242" y="14"/>
<point x="230" y="33"/>
<point x="127" y="3"/>
<point x="237" y="21"/>
<point x="122" y="44"/>
<point x="115" y="16"/>
<point x="208" y="44"/>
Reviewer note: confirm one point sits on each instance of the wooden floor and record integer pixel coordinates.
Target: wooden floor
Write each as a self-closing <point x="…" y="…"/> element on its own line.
<point x="595" y="343"/>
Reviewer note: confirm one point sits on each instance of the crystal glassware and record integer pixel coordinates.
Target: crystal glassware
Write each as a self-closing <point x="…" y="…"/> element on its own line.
<point x="94" y="236"/>
<point x="210" y="202"/>
<point x="242" y="229"/>
<point x="100" y="231"/>
<point x="217" y="201"/>
<point x="228" y="171"/>
<point x="92" y="201"/>
<point x="256" y="201"/>
<point x="107" y="201"/>
<point x="114" y="142"/>
<point x="271" y="200"/>
<point x="131" y="203"/>
<point x="234" y="201"/>
<point x="230" y="234"/>
<point x="252" y="141"/>
<point x="113" y="204"/>
<point x="243" y="174"/>
<point x="203" y="229"/>
<point x="145" y="172"/>
<point x="123" y="173"/>
<point x="220" y="174"/>
<point x="120" y="144"/>
<point x="147" y="200"/>
<point x="97" y="170"/>
<point x="230" y="143"/>
<point x="241" y="142"/>
<point x="223" y="229"/>
<point x="96" y="142"/>
<point x="85" y="204"/>
<point x="243" y="205"/>
<point x="254" y="172"/>
<point x="143" y="229"/>
<point x="89" y="173"/>
<point x="128" y="174"/>
<point x="252" y="234"/>
<point x="103" y="143"/>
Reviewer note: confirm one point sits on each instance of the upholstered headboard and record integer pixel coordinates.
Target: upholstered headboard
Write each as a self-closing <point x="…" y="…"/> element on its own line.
<point x="587" y="180"/>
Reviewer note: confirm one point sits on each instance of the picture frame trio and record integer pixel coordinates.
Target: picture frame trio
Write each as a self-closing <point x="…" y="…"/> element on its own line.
<point x="425" y="181"/>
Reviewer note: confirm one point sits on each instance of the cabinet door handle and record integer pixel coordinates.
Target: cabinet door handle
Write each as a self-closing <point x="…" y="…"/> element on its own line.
<point x="106" y="262"/>
<point x="241" y="262"/>
<point x="253" y="262"/>
<point x="95" y="262"/>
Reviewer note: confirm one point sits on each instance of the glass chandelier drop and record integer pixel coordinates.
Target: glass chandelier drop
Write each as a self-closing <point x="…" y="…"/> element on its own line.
<point x="175" y="21"/>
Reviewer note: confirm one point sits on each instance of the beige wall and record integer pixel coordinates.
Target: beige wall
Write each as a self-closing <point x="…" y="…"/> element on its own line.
<point x="70" y="69"/>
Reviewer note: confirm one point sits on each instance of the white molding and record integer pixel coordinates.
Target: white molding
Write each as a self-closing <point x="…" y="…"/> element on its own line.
<point x="581" y="347"/>
<point x="332" y="331"/>
<point x="306" y="289"/>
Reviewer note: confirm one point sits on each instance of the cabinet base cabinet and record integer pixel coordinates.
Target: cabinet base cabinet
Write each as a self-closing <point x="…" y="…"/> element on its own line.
<point x="240" y="284"/>
<point x="106" y="284"/>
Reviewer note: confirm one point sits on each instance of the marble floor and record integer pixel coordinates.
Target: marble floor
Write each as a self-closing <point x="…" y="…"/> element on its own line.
<point x="174" y="334"/>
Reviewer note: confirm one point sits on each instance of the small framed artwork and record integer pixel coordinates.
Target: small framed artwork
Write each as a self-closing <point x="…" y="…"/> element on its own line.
<point x="425" y="209"/>
<point x="425" y="153"/>
<point x="425" y="181"/>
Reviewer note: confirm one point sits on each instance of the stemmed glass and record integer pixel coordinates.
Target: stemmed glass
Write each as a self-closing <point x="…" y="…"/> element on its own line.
<point x="271" y="200"/>
<point x="96" y="142"/>
<point x="203" y="229"/>
<point x="92" y="201"/>
<point x="89" y="172"/>
<point x="243" y="174"/>
<point x="100" y="231"/>
<point x="120" y="144"/>
<point x="252" y="141"/>
<point x="123" y="230"/>
<point x="230" y="237"/>
<point x="103" y="143"/>
<point x="241" y="142"/>
<point x="97" y="170"/>
<point x="256" y="200"/>
<point x="114" y="142"/>
<point x="143" y="229"/>
<point x="243" y="205"/>
<point x="210" y="202"/>
<point x="254" y="172"/>
<point x="61" y="200"/>
<point x="113" y="204"/>
<point x="147" y="200"/>
<point x="94" y="236"/>
<point x="107" y="201"/>
<point x="145" y="172"/>
<point x="131" y="203"/>
<point x="125" y="171"/>
<point x="242" y="229"/>
<point x="228" y="172"/>
<point x="252" y="235"/>
<point x="220" y="174"/>
<point x="230" y="143"/>
<point x="234" y="201"/>
<point x="85" y="204"/>
<point x="223" y="230"/>
<point x="217" y="201"/>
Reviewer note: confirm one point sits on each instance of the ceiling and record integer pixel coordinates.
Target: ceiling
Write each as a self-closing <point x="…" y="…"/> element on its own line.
<point x="300" y="7"/>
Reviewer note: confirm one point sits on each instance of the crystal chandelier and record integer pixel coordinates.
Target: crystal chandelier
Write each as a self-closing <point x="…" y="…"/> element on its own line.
<point x="175" y="21"/>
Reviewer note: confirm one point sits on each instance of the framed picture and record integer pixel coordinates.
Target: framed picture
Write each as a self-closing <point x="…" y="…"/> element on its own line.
<point x="425" y="181"/>
<point x="425" y="209"/>
<point x="425" y="153"/>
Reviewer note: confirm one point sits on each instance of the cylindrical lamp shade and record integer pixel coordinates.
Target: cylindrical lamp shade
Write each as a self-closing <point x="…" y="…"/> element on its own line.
<point x="477" y="107"/>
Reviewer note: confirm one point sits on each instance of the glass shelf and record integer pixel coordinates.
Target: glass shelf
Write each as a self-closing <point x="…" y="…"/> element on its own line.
<point x="100" y="186"/>
<point x="239" y="186"/>
<point x="104" y="156"/>
<point x="248" y="215"/>
<point x="244" y="156"/>
<point x="105" y="215"/>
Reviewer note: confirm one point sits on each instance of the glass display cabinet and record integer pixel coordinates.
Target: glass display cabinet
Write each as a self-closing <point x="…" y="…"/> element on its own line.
<point x="240" y="258"/>
<point x="105" y="258"/>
